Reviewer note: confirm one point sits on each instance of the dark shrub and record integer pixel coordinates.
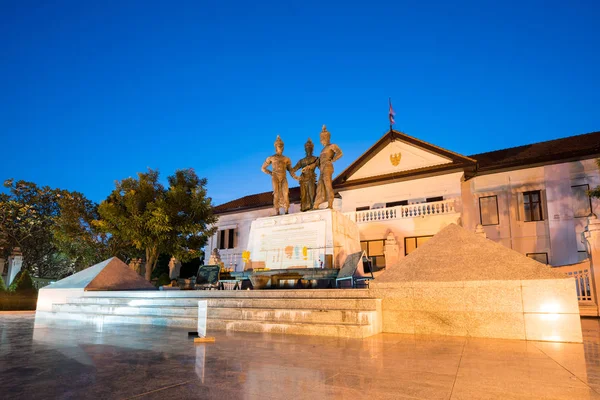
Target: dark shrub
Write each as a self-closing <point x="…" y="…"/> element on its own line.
<point x="25" y="285"/>
<point x="163" y="280"/>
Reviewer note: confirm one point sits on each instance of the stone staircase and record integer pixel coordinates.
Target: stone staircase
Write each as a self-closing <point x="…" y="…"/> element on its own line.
<point x="341" y="313"/>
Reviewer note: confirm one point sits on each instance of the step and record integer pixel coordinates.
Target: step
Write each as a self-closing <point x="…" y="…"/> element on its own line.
<point x="270" y="293"/>
<point x="367" y="304"/>
<point x="255" y="314"/>
<point x="314" y="329"/>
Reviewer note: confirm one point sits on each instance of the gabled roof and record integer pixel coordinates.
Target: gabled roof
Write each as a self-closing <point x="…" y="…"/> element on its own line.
<point x="549" y="152"/>
<point x="457" y="161"/>
<point x="456" y="254"/>
<point x="254" y="201"/>
<point x="557" y="150"/>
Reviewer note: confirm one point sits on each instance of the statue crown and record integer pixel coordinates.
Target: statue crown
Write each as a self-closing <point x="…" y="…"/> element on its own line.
<point x="278" y="141"/>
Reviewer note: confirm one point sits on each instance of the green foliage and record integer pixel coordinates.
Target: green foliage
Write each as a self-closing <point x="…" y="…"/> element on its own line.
<point x="163" y="280"/>
<point x="54" y="230"/>
<point x="25" y="284"/>
<point x="2" y="286"/>
<point x="155" y="219"/>
<point x="26" y="217"/>
<point x="76" y="236"/>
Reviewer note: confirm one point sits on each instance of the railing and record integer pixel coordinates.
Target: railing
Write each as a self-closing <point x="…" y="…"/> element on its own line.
<point x="401" y="212"/>
<point x="582" y="272"/>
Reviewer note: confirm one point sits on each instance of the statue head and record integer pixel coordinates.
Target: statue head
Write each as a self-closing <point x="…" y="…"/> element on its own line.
<point x="325" y="136"/>
<point x="309" y="147"/>
<point x="278" y="145"/>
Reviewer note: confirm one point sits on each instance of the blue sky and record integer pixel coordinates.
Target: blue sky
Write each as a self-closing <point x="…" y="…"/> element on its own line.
<point x="92" y="92"/>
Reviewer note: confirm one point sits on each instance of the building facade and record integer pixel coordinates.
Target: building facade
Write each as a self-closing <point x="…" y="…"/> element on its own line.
<point x="402" y="191"/>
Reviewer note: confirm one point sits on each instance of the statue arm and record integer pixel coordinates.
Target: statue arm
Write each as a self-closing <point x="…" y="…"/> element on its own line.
<point x="338" y="153"/>
<point x="294" y="169"/>
<point x="265" y="165"/>
<point x="298" y="165"/>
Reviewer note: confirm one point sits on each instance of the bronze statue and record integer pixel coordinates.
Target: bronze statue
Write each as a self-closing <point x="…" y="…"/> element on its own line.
<point x="308" y="177"/>
<point x="280" y="164"/>
<point x="328" y="156"/>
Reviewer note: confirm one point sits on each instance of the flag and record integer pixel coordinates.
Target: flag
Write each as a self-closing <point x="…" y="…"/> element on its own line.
<point x="392" y="113"/>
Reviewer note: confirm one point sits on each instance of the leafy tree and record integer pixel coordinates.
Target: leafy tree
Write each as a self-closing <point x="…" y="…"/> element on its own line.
<point x="27" y="215"/>
<point x="53" y="229"/>
<point x="174" y="220"/>
<point x="2" y="286"/>
<point x="76" y="236"/>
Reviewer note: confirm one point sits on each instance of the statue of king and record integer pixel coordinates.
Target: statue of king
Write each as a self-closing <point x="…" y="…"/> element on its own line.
<point x="328" y="156"/>
<point x="279" y="165"/>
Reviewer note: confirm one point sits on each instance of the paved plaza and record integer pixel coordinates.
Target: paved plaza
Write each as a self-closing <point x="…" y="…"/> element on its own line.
<point x="149" y="362"/>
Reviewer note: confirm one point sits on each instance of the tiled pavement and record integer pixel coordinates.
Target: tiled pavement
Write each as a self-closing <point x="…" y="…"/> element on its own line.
<point x="147" y="362"/>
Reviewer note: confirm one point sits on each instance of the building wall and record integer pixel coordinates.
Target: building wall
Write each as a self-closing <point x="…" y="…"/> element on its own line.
<point x="559" y="233"/>
<point x="417" y="190"/>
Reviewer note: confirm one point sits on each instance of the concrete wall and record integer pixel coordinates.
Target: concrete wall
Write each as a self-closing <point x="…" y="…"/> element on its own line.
<point x="559" y="234"/>
<point x="417" y="190"/>
<point x="544" y="310"/>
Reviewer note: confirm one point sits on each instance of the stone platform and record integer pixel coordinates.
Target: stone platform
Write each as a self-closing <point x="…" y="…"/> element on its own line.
<point x="338" y="313"/>
<point x="312" y="239"/>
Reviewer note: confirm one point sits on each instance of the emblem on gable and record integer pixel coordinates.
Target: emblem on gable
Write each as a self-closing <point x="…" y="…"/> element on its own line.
<point x="395" y="159"/>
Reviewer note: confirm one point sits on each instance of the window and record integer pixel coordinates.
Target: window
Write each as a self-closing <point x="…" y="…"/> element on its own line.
<point x="582" y="204"/>
<point x="488" y="210"/>
<point x="374" y="250"/>
<point x="539" y="257"/>
<point x="411" y="243"/>
<point x="365" y="208"/>
<point x="226" y="239"/>
<point x="582" y="255"/>
<point x="432" y="199"/>
<point x="397" y="203"/>
<point x="532" y="204"/>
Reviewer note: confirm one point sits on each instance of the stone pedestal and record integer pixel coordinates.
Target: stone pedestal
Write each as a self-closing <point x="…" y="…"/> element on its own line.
<point x="479" y="231"/>
<point x="174" y="268"/>
<point x="15" y="262"/>
<point x="136" y="265"/>
<point x="391" y="251"/>
<point x="592" y="238"/>
<point x="313" y="239"/>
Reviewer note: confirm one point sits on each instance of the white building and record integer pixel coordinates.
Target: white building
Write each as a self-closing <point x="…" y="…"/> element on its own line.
<point x="529" y="198"/>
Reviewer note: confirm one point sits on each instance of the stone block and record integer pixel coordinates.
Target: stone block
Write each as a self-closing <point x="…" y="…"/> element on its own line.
<point x="439" y="299"/>
<point x="550" y="296"/>
<point x="506" y="325"/>
<point x="553" y="327"/>
<point x="398" y="321"/>
<point x="451" y="323"/>
<point x="304" y="240"/>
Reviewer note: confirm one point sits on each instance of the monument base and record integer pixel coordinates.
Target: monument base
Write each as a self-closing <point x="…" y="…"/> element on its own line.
<point x="312" y="239"/>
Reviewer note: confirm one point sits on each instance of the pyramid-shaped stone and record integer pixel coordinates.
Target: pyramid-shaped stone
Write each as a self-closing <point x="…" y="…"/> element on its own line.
<point x="111" y="274"/>
<point x="455" y="254"/>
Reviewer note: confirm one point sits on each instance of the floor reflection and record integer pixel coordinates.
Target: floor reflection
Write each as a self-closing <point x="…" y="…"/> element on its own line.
<point x="126" y="361"/>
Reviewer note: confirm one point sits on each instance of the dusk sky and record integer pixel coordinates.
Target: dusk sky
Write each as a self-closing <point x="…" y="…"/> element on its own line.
<point x="92" y="92"/>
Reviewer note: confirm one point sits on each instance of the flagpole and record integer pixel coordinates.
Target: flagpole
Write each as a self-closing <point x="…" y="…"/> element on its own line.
<point x="390" y="111"/>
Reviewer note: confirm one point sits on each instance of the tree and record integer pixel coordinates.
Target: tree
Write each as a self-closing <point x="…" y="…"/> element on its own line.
<point x="76" y="236"/>
<point x="52" y="227"/>
<point x="27" y="214"/>
<point x="157" y="220"/>
<point x="596" y="191"/>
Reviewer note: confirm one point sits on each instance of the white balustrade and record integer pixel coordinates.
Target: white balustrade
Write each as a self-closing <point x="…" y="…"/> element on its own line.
<point x="400" y="212"/>
<point x="582" y="272"/>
